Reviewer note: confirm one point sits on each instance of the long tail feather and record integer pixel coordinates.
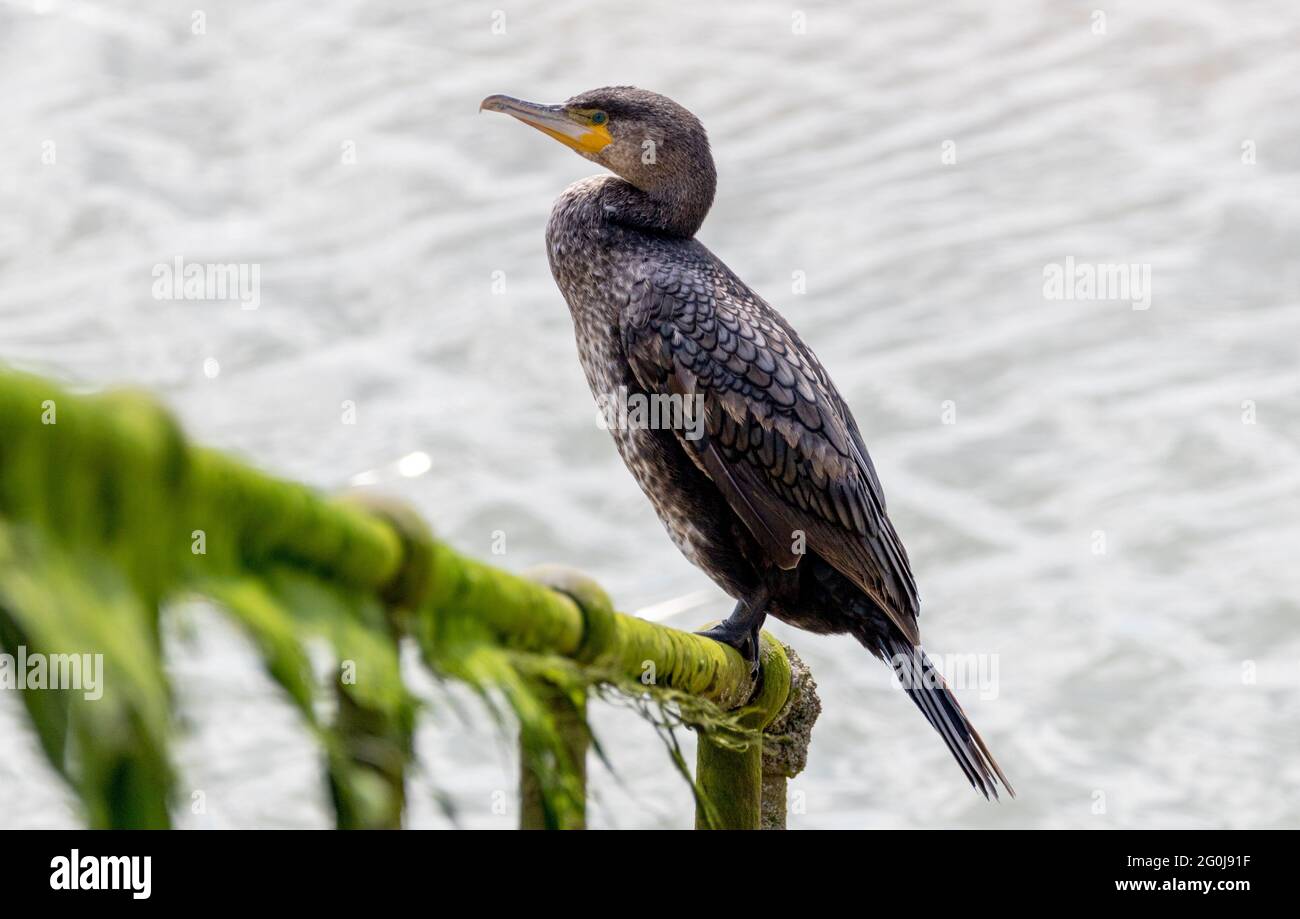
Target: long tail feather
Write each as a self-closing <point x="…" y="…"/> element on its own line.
<point x="930" y="692"/>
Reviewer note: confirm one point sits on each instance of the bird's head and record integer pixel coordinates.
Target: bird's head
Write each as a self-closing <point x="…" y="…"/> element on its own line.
<point x="646" y="139"/>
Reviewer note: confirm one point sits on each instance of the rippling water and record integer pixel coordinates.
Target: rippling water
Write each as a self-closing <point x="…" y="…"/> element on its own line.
<point x="1099" y="521"/>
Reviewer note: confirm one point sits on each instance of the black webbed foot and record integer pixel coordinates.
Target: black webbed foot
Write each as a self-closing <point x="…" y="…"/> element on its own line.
<point x="741" y="631"/>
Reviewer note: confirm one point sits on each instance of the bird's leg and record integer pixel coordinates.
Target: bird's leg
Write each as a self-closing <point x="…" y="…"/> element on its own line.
<point x="741" y="628"/>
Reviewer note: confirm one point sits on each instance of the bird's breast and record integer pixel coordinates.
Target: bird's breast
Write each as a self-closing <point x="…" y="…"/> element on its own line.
<point x="595" y="264"/>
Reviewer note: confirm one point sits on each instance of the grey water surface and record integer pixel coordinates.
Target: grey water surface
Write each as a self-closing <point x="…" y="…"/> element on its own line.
<point x="1100" y="501"/>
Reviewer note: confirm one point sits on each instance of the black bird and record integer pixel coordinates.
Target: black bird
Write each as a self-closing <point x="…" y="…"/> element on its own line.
<point x="775" y="498"/>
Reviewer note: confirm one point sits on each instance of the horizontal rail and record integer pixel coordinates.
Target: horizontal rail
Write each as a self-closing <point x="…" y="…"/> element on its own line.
<point x="112" y="475"/>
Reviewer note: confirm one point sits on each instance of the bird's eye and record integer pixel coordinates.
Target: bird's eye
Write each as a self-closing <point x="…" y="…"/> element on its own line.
<point x="599" y="118"/>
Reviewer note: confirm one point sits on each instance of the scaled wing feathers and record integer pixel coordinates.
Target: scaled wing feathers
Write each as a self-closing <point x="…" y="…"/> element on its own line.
<point x="779" y="442"/>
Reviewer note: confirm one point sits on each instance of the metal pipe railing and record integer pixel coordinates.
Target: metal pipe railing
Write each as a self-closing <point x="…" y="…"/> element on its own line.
<point x="111" y="481"/>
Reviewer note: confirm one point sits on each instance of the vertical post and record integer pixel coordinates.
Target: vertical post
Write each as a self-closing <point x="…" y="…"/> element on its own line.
<point x="371" y="743"/>
<point x="731" y="782"/>
<point x="774" y="802"/>
<point x="786" y="739"/>
<point x="570" y="719"/>
<point x="568" y="709"/>
<point x="730" y="777"/>
<point x="368" y="766"/>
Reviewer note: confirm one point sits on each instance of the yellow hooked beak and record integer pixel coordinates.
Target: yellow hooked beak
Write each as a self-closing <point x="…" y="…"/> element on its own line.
<point x="571" y="128"/>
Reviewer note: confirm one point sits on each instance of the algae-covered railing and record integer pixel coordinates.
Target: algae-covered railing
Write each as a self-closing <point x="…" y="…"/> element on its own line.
<point x="108" y="516"/>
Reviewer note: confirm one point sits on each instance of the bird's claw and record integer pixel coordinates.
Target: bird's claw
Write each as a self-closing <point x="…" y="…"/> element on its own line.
<point x="743" y="637"/>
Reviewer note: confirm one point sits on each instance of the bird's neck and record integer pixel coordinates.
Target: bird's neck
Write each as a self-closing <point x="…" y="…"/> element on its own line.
<point x="672" y="208"/>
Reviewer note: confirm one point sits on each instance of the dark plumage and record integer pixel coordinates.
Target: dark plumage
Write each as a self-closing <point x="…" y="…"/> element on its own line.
<point x="778" y="501"/>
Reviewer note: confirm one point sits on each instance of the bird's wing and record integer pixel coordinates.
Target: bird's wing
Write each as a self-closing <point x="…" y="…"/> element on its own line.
<point x="778" y="440"/>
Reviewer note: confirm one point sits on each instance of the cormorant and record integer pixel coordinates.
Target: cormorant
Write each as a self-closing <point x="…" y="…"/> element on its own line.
<point x="776" y="498"/>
